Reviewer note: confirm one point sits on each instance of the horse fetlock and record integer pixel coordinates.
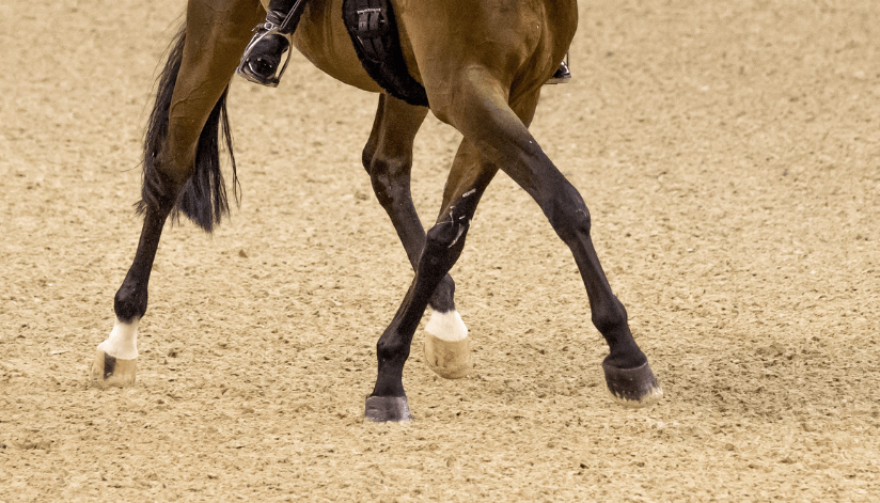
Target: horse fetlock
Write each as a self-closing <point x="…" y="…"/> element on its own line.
<point x="130" y="302"/>
<point x="392" y="352"/>
<point x="443" y="299"/>
<point x="611" y="319"/>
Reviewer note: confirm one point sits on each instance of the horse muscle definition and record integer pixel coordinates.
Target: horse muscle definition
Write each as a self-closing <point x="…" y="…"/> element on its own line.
<point x="482" y="74"/>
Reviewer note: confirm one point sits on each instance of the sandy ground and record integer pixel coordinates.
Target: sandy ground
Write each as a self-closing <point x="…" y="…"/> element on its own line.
<point x="730" y="155"/>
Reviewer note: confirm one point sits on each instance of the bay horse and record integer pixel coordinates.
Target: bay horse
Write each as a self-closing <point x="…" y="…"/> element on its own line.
<point x="482" y="64"/>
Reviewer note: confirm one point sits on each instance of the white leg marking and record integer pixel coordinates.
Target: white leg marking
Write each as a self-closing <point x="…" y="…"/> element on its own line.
<point x="447" y="326"/>
<point x="122" y="342"/>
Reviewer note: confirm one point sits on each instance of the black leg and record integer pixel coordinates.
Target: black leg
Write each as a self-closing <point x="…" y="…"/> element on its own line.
<point x="444" y="243"/>
<point x="130" y="302"/>
<point x="502" y="135"/>
<point x="387" y="157"/>
<point x="116" y="359"/>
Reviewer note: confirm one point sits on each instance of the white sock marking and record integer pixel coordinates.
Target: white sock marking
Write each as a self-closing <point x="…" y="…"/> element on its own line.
<point x="447" y="326"/>
<point x="122" y="342"/>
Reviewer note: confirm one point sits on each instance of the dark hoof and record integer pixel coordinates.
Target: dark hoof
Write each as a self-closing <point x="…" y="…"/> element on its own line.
<point x="382" y="409"/>
<point x="635" y="387"/>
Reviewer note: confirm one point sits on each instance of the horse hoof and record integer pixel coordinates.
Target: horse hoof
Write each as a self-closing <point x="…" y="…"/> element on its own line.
<point x="383" y="409"/>
<point x="108" y="371"/>
<point x="447" y="346"/>
<point x="451" y="360"/>
<point x="635" y="387"/>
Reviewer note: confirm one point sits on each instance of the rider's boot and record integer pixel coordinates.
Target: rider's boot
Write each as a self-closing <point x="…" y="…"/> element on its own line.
<point x="261" y="62"/>
<point x="562" y="75"/>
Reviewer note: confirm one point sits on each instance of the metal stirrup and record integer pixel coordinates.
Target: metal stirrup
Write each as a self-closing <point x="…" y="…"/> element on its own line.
<point x="243" y="70"/>
<point x="264" y="30"/>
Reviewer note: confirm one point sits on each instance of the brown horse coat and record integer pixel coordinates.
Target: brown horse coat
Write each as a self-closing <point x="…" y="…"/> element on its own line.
<point x="482" y="63"/>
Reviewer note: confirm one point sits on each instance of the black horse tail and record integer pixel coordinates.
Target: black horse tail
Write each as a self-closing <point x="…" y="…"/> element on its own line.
<point x="203" y="199"/>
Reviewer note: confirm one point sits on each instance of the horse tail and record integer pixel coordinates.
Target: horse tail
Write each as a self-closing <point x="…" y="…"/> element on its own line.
<point x="203" y="198"/>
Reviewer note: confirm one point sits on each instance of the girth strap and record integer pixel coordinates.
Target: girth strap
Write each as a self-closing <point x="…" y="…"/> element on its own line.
<point x="372" y="28"/>
<point x="373" y="31"/>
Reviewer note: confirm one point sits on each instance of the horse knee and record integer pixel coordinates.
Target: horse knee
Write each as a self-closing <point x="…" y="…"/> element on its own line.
<point x="568" y="214"/>
<point x="383" y="187"/>
<point x="389" y="179"/>
<point x="445" y="235"/>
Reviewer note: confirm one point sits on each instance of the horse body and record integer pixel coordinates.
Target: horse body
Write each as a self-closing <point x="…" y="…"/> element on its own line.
<point x="519" y="39"/>
<point x="322" y="38"/>
<point x="482" y="63"/>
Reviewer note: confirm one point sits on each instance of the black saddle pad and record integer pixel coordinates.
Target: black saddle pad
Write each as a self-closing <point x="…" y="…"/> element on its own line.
<point x="373" y="30"/>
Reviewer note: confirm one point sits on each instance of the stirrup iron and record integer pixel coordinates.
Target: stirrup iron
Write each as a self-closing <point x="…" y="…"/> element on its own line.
<point x="562" y="74"/>
<point x="244" y="69"/>
<point x="274" y="25"/>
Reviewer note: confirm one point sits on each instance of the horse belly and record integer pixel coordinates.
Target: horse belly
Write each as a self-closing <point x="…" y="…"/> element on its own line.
<point x="322" y="38"/>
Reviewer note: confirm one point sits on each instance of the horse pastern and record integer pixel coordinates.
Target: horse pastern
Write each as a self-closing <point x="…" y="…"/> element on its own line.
<point x="447" y="326"/>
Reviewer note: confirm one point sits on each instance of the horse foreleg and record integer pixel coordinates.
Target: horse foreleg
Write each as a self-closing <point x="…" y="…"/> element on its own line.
<point x="443" y="245"/>
<point x="388" y="157"/>
<point x="194" y="80"/>
<point x="481" y="113"/>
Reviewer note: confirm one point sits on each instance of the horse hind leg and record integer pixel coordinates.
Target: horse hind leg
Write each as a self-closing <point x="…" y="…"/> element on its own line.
<point x="388" y="158"/>
<point x="181" y="159"/>
<point x="482" y="114"/>
<point x="115" y="362"/>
